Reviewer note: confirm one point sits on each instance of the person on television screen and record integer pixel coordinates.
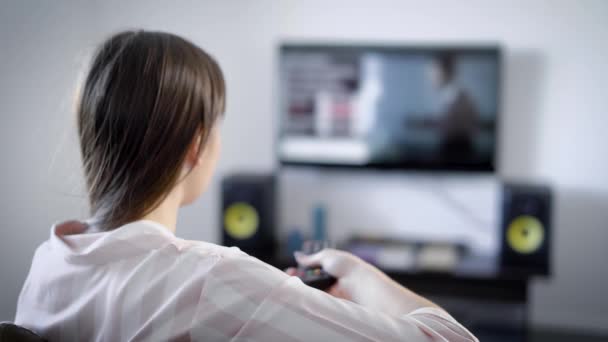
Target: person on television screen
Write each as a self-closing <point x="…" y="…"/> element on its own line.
<point x="458" y="113"/>
<point x="149" y="116"/>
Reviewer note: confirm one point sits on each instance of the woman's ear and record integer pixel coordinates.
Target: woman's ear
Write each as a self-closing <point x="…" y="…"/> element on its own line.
<point x="193" y="158"/>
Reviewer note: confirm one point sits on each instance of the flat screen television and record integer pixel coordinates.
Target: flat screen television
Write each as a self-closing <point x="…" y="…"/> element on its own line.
<point x="397" y="107"/>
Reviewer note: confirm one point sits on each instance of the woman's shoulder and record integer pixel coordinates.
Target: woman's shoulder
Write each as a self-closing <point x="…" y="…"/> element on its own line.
<point x="226" y="256"/>
<point x="197" y="247"/>
<point x="232" y="270"/>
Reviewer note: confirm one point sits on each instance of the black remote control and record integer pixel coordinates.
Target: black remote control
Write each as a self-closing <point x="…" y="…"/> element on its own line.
<point x="316" y="277"/>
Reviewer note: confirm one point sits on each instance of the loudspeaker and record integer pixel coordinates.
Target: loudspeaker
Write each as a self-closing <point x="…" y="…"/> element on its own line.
<point x="526" y="228"/>
<point x="248" y="213"/>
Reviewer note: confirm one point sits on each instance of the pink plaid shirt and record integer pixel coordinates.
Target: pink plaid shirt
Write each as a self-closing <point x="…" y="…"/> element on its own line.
<point x="140" y="282"/>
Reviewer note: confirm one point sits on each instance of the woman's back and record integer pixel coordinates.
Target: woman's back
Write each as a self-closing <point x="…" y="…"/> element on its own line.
<point x="140" y="282"/>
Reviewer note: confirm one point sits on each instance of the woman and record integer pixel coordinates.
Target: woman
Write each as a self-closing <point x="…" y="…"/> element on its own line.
<point x="148" y="118"/>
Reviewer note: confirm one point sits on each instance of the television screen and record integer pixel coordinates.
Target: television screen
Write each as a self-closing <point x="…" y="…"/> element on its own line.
<point x="389" y="107"/>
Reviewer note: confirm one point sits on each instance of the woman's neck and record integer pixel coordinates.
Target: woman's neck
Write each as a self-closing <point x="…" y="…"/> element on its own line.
<point x="166" y="213"/>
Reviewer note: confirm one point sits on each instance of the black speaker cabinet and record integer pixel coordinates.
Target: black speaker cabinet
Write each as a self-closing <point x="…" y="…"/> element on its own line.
<point x="526" y="229"/>
<point x="248" y="213"/>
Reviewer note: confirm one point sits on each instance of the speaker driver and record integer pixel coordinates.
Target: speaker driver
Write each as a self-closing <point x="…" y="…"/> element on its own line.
<point x="525" y="234"/>
<point x="241" y="220"/>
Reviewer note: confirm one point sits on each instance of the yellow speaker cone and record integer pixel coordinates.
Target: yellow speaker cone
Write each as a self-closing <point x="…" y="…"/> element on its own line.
<point x="525" y="234"/>
<point x="241" y="220"/>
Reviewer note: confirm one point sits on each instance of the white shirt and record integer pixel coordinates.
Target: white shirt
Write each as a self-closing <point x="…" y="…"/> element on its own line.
<point x="140" y="282"/>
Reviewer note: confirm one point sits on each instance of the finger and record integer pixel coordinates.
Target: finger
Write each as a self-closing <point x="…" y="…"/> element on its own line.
<point x="332" y="261"/>
<point x="310" y="260"/>
<point x="291" y="271"/>
<point x="337" y="291"/>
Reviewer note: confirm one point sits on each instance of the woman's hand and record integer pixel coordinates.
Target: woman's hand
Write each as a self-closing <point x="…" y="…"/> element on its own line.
<point x="362" y="283"/>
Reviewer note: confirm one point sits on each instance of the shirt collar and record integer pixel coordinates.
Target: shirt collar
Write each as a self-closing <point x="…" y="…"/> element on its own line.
<point x="80" y="243"/>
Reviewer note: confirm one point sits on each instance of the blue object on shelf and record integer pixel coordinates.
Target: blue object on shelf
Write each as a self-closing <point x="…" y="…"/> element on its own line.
<point x="319" y="224"/>
<point x="294" y="241"/>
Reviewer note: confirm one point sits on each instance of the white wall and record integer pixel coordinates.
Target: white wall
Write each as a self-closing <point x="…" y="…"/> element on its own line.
<point x="40" y="54"/>
<point x="555" y="108"/>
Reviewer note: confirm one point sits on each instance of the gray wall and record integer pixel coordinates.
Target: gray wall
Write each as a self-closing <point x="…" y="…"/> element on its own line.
<point x="554" y="116"/>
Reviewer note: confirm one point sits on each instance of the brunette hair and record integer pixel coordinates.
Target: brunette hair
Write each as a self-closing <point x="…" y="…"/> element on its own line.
<point x="145" y="99"/>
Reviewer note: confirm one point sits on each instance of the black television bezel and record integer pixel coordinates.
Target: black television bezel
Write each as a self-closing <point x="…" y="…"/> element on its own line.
<point x="485" y="168"/>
